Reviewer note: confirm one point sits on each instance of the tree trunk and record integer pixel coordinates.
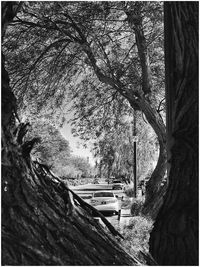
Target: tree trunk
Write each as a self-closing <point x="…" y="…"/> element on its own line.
<point x="154" y="189"/>
<point x="42" y="223"/>
<point x="174" y="239"/>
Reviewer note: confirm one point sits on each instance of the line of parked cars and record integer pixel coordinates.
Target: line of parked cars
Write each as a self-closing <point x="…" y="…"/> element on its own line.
<point x="106" y="201"/>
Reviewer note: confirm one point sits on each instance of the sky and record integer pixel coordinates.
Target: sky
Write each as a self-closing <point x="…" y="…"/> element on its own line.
<point x="75" y="144"/>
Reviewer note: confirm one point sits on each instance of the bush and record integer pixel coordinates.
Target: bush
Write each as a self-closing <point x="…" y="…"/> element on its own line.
<point x="129" y="192"/>
<point x="136" y="236"/>
<point x="136" y="207"/>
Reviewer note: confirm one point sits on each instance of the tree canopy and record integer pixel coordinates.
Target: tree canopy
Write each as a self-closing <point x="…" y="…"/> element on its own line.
<point x="69" y="45"/>
<point x="107" y="55"/>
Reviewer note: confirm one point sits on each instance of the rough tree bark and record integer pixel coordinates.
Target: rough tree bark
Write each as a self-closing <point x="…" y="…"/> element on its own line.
<point x="155" y="191"/>
<point x="174" y="239"/>
<point x="43" y="223"/>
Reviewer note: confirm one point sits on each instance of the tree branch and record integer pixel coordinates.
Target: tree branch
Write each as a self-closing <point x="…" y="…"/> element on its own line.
<point x="158" y="109"/>
<point x="47" y="49"/>
<point x="134" y="18"/>
<point x="106" y="56"/>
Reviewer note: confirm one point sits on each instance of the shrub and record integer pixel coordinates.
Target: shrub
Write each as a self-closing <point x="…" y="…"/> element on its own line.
<point x="136" y="207"/>
<point x="129" y="192"/>
<point x="136" y="235"/>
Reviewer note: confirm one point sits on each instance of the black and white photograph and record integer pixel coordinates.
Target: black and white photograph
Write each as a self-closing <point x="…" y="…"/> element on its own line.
<point x="99" y="133"/>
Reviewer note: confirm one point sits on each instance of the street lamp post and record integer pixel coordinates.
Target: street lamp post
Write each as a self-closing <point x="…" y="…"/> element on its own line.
<point x="133" y="138"/>
<point x="135" y="154"/>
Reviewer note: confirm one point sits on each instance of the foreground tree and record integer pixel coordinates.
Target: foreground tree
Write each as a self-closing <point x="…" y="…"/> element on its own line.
<point x="43" y="223"/>
<point x="174" y="239"/>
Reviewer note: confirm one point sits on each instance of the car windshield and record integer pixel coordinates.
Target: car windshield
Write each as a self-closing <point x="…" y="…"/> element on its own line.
<point x="103" y="194"/>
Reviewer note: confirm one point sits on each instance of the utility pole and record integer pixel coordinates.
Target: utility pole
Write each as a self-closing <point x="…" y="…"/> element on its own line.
<point x="135" y="154"/>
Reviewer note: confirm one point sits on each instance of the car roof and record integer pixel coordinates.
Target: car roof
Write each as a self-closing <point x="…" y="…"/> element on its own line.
<point x="102" y="191"/>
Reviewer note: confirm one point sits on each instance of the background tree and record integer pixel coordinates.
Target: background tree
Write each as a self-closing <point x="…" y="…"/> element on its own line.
<point x="174" y="239"/>
<point x="119" y="138"/>
<point x="53" y="147"/>
<point x="82" y="165"/>
<point x="54" y="151"/>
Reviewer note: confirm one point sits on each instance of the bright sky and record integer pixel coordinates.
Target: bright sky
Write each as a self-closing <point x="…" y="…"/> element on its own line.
<point x="75" y="144"/>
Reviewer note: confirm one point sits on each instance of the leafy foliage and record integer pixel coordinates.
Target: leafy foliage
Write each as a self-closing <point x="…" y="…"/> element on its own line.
<point x="54" y="151"/>
<point x="53" y="146"/>
<point x="115" y="149"/>
<point x="63" y="43"/>
<point x="136" y="235"/>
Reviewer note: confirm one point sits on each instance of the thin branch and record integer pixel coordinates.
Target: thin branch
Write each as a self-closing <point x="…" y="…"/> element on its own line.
<point x="158" y="109"/>
<point x="144" y="118"/>
<point x="128" y="53"/>
<point x="105" y="55"/>
<point x="117" y="20"/>
<point x="47" y="49"/>
<point x="75" y="26"/>
<point x="24" y="22"/>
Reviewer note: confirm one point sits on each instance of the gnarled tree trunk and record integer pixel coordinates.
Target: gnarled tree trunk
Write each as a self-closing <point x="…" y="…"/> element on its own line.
<point x="174" y="239"/>
<point x="42" y="222"/>
<point x="154" y="189"/>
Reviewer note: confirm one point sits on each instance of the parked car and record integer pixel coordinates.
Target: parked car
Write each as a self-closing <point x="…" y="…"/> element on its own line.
<point x="86" y="198"/>
<point x="117" y="185"/>
<point x="105" y="201"/>
<point x="95" y="181"/>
